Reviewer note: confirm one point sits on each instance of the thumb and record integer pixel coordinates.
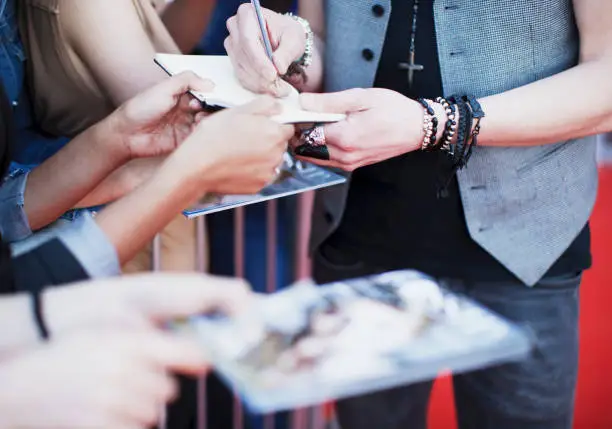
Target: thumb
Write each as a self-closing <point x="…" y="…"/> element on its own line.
<point x="164" y="297"/>
<point x="185" y="82"/>
<point x="352" y="100"/>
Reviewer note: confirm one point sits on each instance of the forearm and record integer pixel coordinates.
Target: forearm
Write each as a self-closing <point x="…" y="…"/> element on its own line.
<point x="121" y="182"/>
<point x="569" y="105"/>
<point x="63" y="180"/>
<point x="187" y="20"/>
<point x="134" y="220"/>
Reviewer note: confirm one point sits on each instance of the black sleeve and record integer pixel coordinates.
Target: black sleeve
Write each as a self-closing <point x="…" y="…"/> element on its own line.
<point x="50" y="264"/>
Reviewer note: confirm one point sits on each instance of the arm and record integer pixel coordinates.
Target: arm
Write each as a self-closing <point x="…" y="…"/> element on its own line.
<point x="113" y="44"/>
<point x="572" y="104"/>
<point x="187" y="20"/>
<point x="122" y="181"/>
<point x="154" y="205"/>
<point x="52" y="188"/>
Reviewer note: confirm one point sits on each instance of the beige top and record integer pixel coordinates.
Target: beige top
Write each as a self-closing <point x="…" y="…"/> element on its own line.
<point x="65" y="95"/>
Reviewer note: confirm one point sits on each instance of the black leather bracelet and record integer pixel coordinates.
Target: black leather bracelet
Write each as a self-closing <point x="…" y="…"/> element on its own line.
<point x="37" y="311"/>
<point x="461" y="129"/>
<point x="477" y="115"/>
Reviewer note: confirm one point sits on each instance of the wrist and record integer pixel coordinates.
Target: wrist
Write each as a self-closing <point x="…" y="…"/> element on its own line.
<point x="110" y="138"/>
<point x="181" y="175"/>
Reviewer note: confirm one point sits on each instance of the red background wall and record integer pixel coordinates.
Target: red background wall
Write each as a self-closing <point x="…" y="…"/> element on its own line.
<point x="594" y="405"/>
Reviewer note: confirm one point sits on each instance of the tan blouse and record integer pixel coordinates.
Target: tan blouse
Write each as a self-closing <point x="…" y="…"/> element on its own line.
<point x="65" y="95"/>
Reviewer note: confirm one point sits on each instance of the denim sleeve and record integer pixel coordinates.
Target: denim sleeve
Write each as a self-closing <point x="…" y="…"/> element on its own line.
<point x="87" y="242"/>
<point x="14" y="225"/>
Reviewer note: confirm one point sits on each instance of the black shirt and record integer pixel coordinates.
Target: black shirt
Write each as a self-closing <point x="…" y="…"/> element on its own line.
<point x="394" y="217"/>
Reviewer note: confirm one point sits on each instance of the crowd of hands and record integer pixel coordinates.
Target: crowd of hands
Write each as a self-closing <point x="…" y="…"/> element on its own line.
<point x="110" y="359"/>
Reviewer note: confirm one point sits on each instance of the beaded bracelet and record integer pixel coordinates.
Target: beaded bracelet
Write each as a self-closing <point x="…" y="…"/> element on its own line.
<point x="430" y="125"/>
<point x="450" y="127"/>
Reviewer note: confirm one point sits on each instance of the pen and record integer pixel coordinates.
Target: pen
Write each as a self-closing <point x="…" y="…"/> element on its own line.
<point x="263" y="28"/>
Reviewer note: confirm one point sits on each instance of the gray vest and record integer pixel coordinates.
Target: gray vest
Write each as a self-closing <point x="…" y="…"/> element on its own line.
<point x="523" y="205"/>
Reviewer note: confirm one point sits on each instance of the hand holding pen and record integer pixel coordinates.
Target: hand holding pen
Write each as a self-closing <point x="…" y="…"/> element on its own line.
<point x="256" y="51"/>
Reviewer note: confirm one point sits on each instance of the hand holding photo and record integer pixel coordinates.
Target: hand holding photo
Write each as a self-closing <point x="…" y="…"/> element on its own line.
<point x="228" y="91"/>
<point x="310" y="344"/>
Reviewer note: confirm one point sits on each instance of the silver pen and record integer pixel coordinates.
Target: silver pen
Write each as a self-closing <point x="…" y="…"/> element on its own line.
<point x="263" y="28"/>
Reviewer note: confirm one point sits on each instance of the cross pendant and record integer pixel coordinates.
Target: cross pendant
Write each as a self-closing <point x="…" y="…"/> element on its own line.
<point x="411" y="67"/>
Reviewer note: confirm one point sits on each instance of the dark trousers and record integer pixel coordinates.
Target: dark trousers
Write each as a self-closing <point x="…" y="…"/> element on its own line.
<point x="537" y="393"/>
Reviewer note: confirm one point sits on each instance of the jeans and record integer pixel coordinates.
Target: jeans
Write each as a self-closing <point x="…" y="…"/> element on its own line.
<point x="537" y="393"/>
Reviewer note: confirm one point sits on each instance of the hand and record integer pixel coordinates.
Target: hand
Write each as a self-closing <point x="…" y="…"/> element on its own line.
<point x="380" y="124"/>
<point x="247" y="53"/>
<point x="138" y="302"/>
<point x="157" y="121"/>
<point x="99" y="380"/>
<point x="235" y="151"/>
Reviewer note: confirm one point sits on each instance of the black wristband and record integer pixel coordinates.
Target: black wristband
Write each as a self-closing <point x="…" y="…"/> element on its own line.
<point x="38" y="314"/>
<point x="477" y="115"/>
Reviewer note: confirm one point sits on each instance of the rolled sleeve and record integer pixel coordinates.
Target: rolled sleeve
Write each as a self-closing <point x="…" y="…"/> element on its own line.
<point x="87" y="242"/>
<point x="14" y="225"/>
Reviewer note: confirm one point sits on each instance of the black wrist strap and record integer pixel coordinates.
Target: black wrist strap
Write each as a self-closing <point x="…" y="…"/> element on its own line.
<point x="37" y="312"/>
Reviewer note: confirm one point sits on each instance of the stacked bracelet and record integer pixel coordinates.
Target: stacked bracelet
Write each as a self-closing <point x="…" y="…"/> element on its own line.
<point x="450" y="127"/>
<point x="466" y="128"/>
<point x="430" y="125"/>
<point x="471" y="114"/>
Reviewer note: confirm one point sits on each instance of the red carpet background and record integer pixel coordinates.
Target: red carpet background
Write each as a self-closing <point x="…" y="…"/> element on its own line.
<point x="594" y="399"/>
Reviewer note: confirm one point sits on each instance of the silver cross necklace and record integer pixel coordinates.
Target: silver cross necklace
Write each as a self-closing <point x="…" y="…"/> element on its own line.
<point x="411" y="66"/>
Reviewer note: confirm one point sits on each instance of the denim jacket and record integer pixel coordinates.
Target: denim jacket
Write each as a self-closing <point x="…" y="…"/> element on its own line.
<point x="83" y="237"/>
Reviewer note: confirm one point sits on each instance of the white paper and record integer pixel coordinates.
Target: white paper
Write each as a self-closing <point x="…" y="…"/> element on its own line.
<point x="228" y="91"/>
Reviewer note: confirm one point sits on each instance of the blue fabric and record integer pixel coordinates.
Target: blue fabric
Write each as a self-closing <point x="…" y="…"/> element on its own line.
<point x="212" y="43"/>
<point x="11" y="52"/>
<point x="14" y="224"/>
<point x="31" y="146"/>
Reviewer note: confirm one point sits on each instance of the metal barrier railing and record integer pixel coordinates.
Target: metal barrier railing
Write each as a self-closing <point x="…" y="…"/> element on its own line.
<point x="310" y="418"/>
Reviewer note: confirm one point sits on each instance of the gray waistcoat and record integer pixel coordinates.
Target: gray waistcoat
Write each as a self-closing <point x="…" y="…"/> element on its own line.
<point x="523" y="205"/>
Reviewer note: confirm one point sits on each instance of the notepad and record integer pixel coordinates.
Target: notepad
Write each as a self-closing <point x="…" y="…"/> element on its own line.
<point x="228" y="91"/>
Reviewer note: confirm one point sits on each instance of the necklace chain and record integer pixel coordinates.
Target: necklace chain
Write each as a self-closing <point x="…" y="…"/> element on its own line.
<point x="415" y="18"/>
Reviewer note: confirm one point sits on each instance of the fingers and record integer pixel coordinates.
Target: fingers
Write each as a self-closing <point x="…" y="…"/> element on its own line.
<point x="157" y="385"/>
<point x="350" y="101"/>
<point x="262" y="106"/>
<point x="170" y="353"/>
<point x="184" y="82"/>
<point x="291" y="46"/>
<point x="163" y="297"/>
<point x="245" y="48"/>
